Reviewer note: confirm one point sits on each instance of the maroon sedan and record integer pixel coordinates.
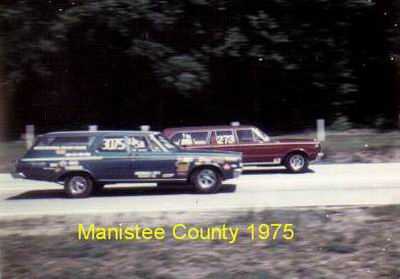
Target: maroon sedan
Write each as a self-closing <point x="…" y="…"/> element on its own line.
<point x="256" y="147"/>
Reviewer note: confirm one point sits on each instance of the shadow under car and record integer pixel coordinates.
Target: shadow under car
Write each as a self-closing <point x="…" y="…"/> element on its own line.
<point x="121" y="191"/>
<point x="266" y="170"/>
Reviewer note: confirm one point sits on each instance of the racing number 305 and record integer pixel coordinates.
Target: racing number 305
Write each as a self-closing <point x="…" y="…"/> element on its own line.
<point x="114" y="144"/>
<point x="271" y="231"/>
<point x="118" y="144"/>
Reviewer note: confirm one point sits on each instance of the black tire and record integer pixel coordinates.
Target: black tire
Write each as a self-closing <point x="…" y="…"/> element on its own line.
<point x="206" y="180"/>
<point x="296" y="162"/>
<point x="78" y="186"/>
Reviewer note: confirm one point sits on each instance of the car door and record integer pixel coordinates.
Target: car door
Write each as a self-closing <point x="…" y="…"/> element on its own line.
<point x="254" y="149"/>
<point x="150" y="162"/>
<point x="115" y="162"/>
<point x="224" y="140"/>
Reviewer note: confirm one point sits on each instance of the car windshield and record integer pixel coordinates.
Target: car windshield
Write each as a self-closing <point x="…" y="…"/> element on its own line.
<point x="261" y="135"/>
<point x="166" y="143"/>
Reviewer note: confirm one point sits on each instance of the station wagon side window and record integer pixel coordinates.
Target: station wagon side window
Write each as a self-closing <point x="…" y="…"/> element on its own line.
<point x="167" y="145"/>
<point x="153" y="146"/>
<point x="191" y="138"/>
<point x="225" y="137"/>
<point x="138" y="144"/>
<point x="245" y="136"/>
<point x="72" y="142"/>
<point x="113" y="144"/>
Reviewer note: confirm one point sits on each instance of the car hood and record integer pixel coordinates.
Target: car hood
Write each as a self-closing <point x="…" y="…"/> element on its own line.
<point x="210" y="153"/>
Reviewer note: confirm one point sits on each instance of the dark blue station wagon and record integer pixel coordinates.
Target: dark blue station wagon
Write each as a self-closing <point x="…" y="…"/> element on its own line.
<point x="86" y="161"/>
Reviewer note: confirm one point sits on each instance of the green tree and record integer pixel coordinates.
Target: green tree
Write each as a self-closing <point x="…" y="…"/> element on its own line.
<point x="277" y="61"/>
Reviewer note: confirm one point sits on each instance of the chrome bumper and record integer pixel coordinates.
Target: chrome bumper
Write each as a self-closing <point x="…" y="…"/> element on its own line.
<point x="18" y="175"/>
<point x="320" y="155"/>
<point x="237" y="172"/>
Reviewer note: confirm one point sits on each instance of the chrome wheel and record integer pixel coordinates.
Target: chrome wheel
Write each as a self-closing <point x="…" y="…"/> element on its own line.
<point x="207" y="179"/>
<point x="297" y="162"/>
<point x="78" y="185"/>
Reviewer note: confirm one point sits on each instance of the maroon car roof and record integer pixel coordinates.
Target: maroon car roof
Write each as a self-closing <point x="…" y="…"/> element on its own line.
<point x="206" y="128"/>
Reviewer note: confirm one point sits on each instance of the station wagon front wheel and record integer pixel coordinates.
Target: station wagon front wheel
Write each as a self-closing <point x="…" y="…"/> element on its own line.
<point x="206" y="180"/>
<point x="78" y="186"/>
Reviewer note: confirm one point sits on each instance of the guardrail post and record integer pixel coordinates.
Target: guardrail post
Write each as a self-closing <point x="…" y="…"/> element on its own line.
<point x="145" y="127"/>
<point x="29" y="135"/>
<point x="321" y="136"/>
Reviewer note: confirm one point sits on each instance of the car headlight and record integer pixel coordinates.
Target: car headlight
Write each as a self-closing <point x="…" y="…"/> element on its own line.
<point x="226" y="166"/>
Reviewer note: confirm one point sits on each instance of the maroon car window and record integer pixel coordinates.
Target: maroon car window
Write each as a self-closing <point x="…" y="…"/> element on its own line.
<point x="176" y="139"/>
<point x="182" y="139"/>
<point x="191" y="138"/>
<point x="225" y="137"/>
<point x="245" y="136"/>
<point x="199" y="137"/>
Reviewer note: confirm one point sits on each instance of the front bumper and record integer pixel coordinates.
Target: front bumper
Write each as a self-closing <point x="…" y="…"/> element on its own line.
<point x="237" y="172"/>
<point x="18" y="175"/>
<point x="320" y="155"/>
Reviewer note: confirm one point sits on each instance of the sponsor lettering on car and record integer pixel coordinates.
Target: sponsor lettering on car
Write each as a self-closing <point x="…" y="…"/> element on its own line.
<point x="86" y="161"/>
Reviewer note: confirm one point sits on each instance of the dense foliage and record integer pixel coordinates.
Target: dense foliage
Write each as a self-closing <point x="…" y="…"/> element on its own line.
<point x="279" y="64"/>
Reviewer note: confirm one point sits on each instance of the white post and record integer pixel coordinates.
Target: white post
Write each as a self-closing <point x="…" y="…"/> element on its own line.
<point x="321" y="129"/>
<point x="398" y="121"/>
<point x="145" y="127"/>
<point x="93" y="128"/>
<point x="29" y="135"/>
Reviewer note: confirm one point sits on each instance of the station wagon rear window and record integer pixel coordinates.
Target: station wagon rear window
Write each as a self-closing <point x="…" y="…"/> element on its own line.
<point x="49" y="143"/>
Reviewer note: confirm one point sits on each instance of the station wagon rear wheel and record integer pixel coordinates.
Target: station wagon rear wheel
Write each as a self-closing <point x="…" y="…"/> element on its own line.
<point x="206" y="180"/>
<point x="78" y="186"/>
<point x="296" y="163"/>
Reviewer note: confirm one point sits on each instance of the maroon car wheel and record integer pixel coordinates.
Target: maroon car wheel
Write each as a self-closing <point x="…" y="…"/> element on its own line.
<point x="296" y="162"/>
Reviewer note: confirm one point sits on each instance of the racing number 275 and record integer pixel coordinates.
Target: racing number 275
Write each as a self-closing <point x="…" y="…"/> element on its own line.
<point x="271" y="231"/>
